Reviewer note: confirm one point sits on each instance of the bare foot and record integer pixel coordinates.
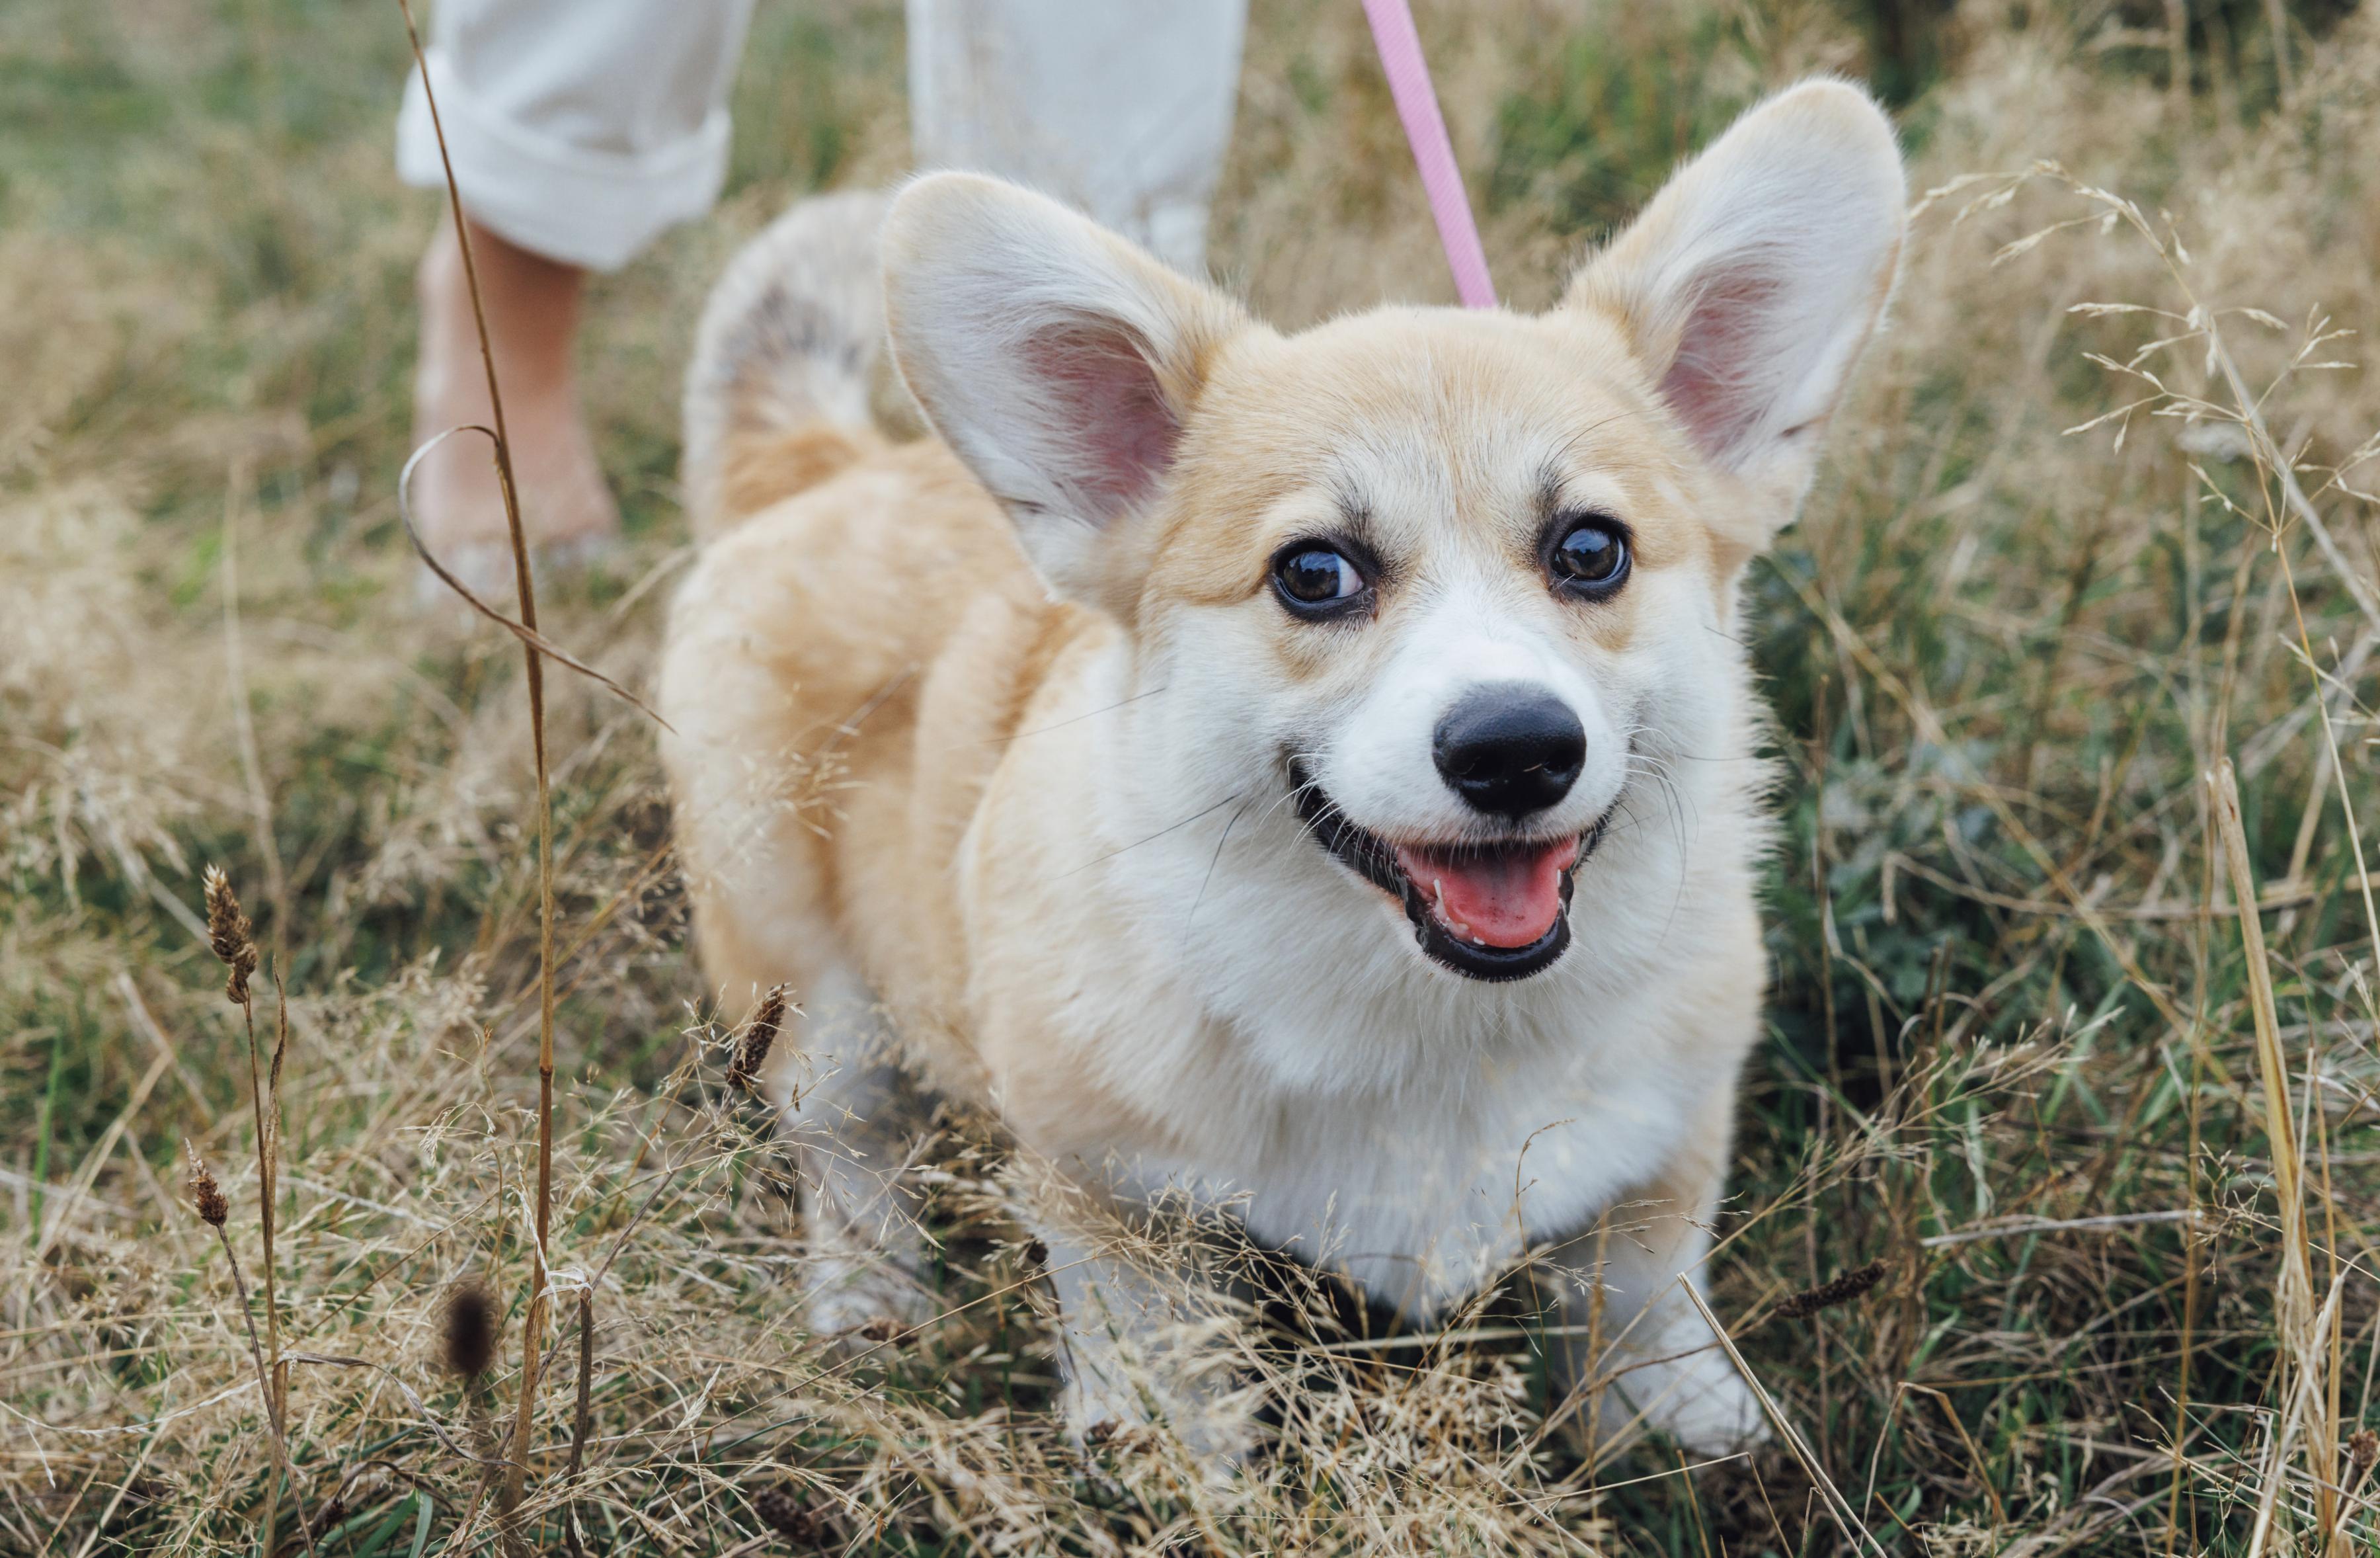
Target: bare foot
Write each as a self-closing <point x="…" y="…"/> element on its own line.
<point x="532" y="310"/>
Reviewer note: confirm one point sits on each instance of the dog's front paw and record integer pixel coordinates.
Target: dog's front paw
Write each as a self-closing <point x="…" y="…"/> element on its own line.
<point x="1706" y="1406"/>
<point x="862" y="1302"/>
<point x="1110" y="1430"/>
<point x="1114" y="1419"/>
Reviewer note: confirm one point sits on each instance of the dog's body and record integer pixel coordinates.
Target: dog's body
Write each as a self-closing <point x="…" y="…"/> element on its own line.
<point x="1142" y="832"/>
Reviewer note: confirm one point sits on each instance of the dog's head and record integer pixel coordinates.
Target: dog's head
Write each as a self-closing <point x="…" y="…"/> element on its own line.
<point x="1432" y="579"/>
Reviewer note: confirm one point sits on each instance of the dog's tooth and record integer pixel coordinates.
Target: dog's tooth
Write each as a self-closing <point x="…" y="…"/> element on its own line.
<point x="1461" y="930"/>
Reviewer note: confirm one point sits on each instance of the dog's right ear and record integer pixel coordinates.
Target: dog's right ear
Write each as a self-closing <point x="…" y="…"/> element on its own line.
<point x="1057" y="360"/>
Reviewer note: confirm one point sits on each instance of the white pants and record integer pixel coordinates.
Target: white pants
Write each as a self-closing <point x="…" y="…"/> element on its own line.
<point x="580" y="128"/>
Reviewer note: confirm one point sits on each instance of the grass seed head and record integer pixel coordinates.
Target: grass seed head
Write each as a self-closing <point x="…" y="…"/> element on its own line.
<point x="760" y="1037"/>
<point x="467" y="1339"/>
<point x="2363" y="1449"/>
<point x="1841" y="1290"/>
<point x="229" y="934"/>
<point x="205" y="1194"/>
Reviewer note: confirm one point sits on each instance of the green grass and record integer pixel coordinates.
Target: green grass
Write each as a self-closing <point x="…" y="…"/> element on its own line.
<point x="2009" y="999"/>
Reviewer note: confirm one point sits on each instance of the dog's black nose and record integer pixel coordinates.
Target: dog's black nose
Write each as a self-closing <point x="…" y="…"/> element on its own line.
<point x="1510" y="748"/>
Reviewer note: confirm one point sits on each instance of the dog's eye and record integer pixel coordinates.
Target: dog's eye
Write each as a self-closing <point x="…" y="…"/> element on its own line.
<point x="1315" y="580"/>
<point x="1590" y="557"/>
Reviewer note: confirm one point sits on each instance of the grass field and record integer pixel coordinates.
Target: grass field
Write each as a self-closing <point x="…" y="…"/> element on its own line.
<point x="2095" y="534"/>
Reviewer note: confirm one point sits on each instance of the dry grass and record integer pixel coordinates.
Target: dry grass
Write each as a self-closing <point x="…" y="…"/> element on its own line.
<point x="2052" y="703"/>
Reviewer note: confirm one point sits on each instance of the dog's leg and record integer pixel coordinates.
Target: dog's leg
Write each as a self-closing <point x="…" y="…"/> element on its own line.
<point x="1658" y="1362"/>
<point x="855" y="1120"/>
<point x="752" y="833"/>
<point x="1135" y="1337"/>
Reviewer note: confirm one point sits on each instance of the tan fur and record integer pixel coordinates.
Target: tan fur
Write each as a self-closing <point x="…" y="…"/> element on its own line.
<point x="760" y="467"/>
<point x="824" y="672"/>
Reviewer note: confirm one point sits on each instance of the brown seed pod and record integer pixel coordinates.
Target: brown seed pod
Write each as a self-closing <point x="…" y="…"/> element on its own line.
<point x="229" y="935"/>
<point x="468" y="1338"/>
<point x="760" y="1037"/>
<point x="1841" y="1290"/>
<point x="782" y="1510"/>
<point x="205" y="1194"/>
<point x="2363" y="1449"/>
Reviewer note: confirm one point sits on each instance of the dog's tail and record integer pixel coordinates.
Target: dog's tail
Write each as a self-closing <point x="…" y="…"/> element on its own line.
<point x="788" y="362"/>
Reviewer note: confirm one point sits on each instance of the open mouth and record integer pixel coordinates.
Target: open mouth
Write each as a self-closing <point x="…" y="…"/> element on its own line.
<point x="1496" y="911"/>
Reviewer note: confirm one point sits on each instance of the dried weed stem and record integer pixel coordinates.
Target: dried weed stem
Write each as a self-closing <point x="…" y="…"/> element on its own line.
<point x="214" y="1210"/>
<point x="2300" y="1326"/>
<point x="533" y="1329"/>
<point x="581" y="1417"/>
<point x="232" y="938"/>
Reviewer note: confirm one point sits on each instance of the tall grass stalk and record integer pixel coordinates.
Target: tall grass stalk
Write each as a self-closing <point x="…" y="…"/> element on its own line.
<point x="532" y="1329"/>
<point x="207" y="1198"/>
<point x="2300" y="1328"/>
<point x="230" y="936"/>
<point x="581" y="1418"/>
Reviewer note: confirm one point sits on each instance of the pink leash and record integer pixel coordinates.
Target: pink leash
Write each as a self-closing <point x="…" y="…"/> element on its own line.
<point x="1408" y="73"/>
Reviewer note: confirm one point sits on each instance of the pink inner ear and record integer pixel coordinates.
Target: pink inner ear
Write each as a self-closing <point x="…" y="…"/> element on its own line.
<point x="1722" y="378"/>
<point x="1122" y="433"/>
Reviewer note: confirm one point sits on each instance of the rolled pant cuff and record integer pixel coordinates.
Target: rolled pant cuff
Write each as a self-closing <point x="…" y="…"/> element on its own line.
<point x="594" y="208"/>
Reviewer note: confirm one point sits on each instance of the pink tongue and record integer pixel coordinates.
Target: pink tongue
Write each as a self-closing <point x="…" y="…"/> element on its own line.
<point x="1507" y="898"/>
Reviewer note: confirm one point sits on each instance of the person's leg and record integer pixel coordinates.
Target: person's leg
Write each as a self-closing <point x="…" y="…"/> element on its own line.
<point x="578" y="130"/>
<point x="1122" y="108"/>
<point x="532" y="312"/>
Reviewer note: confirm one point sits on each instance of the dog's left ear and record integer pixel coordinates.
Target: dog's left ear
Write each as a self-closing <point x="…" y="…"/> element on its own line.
<point x="1057" y="360"/>
<point x="1750" y="284"/>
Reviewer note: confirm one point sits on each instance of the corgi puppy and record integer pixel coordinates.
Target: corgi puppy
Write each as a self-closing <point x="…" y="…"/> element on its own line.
<point x="1315" y="771"/>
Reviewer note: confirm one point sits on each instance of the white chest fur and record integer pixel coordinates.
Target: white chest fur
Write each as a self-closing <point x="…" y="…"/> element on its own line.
<point x="1421" y="1194"/>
